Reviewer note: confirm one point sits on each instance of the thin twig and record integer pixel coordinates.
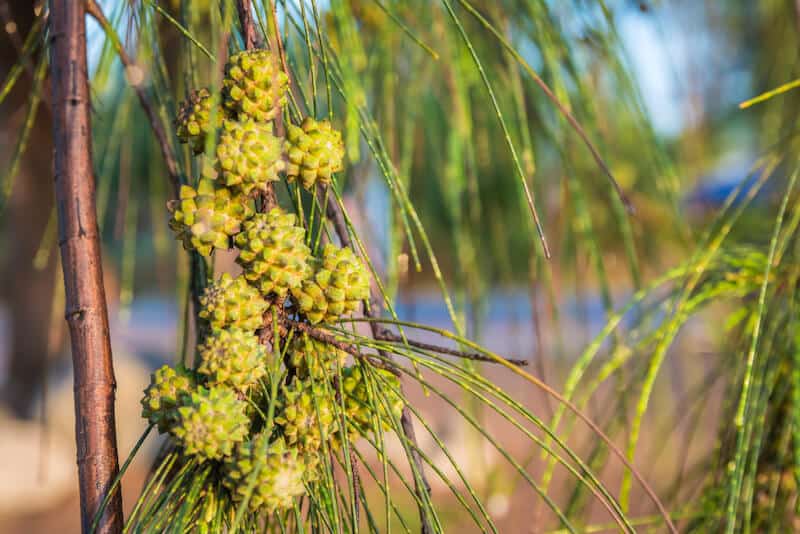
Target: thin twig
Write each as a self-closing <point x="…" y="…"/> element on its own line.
<point x="336" y="216"/>
<point x="320" y="335"/>
<point x="246" y="20"/>
<point x="356" y="485"/>
<point x="388" y="335"/>
<point x="93" y="9"/>
<point x="278" y="42"/>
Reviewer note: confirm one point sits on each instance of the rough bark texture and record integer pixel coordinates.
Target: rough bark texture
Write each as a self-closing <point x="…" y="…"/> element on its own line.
<point x="86" y="312"/>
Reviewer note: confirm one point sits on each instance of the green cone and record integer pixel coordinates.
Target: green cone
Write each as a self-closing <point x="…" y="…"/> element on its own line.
<point x="232" y="357"/>
<point x="273" y="252"/>
<point x="232" y="303"/>
<point x="254" y="85"/>
<point x="248" y="155"/>
<point x="279" y="481"/>
<point x="315" y="151"/>
<point x="339" y="285"/>
<point x="194" y="122"/>
<point x="358" y="402"/>
<point x="207" y="217"/>
<point x="166" y="392"/>
<point x="306" y="415"/>
<point x="309" y="357"/>
<point x="211" y="422"/>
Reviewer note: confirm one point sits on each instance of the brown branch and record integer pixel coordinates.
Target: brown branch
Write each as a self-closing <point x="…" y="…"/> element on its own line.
<point x="388" y="335"/>
<point x="421" y="485"/>
<point x="79" y="242"/>
<point x="321" y="335"/>
<point x="278" y="44"/>
<point x="356" y="485"/>
<point x="246" y="20"/>
<point x="336" y="216"/>
<point x="318" y="334"/>
<point x="93" y="9"/>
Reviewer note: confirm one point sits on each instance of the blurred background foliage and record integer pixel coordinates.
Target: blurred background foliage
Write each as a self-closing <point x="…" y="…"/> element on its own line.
<point x="441" y="132"/>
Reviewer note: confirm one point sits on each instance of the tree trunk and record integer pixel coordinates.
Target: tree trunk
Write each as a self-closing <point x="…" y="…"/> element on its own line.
<point x="86" y="312"/>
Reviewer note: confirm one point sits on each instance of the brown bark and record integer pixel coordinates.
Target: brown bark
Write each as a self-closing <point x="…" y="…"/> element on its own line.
<point x="79" y="242"/>
<point x="421" y="485"/>
<point x="243" y="7"/>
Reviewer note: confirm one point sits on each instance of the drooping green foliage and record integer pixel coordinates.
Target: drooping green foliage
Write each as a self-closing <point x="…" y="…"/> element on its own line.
<point x="455" y="121"/>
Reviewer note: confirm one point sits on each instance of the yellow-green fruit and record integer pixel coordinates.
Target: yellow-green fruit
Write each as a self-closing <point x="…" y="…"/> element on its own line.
<point x="311" y="301"/>
<point x="273" y="252"/>
<point x="255" y="85"/>
<point x="206" y="217"/>
<point x="361" y="400"/>
<point x="279" y="481"/>
<point x="232" y="303"/>
<point x="306" y="414"/>
<point x="232" y="357"/>
<point x="339" y="285"/>
<point x="310" y="357"/>
<point x="211" y="422"/>
<point x="315" y="151"/>
<point x="167" y="389"/>
<point x="197" y="119"/>
<point x="248" y="155"/>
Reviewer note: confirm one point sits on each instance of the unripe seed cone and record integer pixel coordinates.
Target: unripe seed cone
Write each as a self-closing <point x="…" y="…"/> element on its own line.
<point x="339" y="285"/>
<point x="310" y="357"/>
<point x="197" y="119"/>
<point x="315" y="151"/>
<point x="279" y="481"/>
<point x="232" y="303"/>
<point x="311" y="301"/>
<point x="168" y="386"/>
<point x="273" y="252"/>
<point x="248" y="155"/>
<point x="360" y="401"/>
<point x="211" y="422"/>
<point x="232" y="357"/>
<point x="206" y="217"/>
<point x="306" y="415"/>
<point x="254" y="85"/>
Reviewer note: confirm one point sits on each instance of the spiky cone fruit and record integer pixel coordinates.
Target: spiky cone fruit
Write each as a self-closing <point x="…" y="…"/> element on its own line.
<point x="306" y="414"/>
<point x="361" y="401"/>
<point x="273" y="252"/>
<point x="309" y="357"/>
<point x="279" y="481"/>
<point x="339" y="285"/>
<point x="311" y="301"/>
<point x="198" y="119"/>
<point x="248" y="155"/>
<point x="232" y="303"/>
<point x="232" y="357"/>
<point x="315" y="151"/>
<point x="211" y="422"/>
<point x="166" y="392"/>
<point x="206" y="217"/>
<point x="254" y="85"/>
